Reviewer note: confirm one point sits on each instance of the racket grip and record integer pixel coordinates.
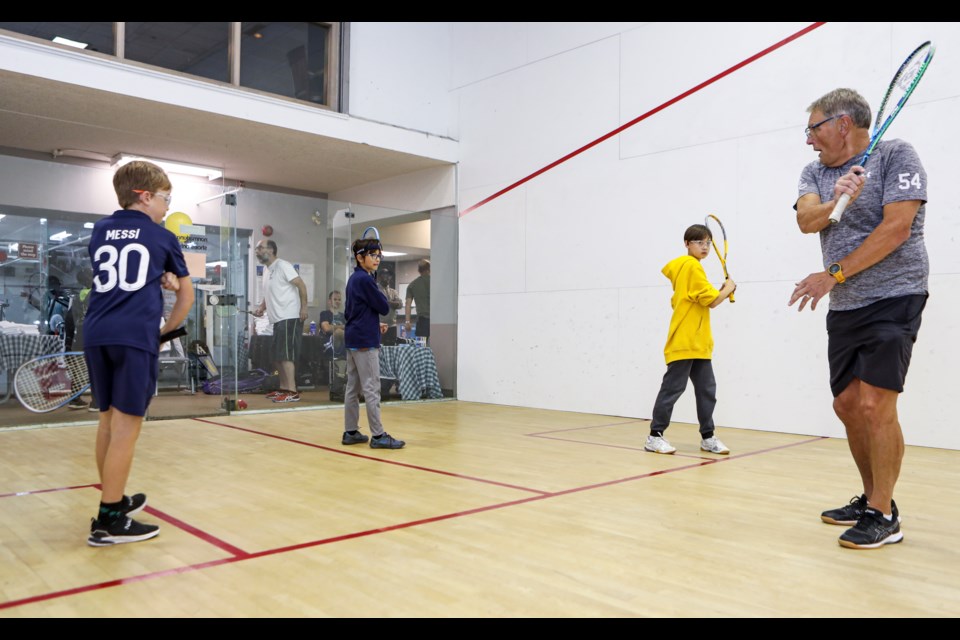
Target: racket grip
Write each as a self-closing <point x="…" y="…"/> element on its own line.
<point x="170" y="335"/>
<point x="838" y="208"/>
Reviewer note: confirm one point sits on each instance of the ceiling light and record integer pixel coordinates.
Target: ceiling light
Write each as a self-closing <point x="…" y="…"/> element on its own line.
<point x="60" y="237"/>
<point x="391" y="254"/>
<point x="70" y="43"/>
<point x="170" y="167"/>
<point x="88" y="225"/>
<point x="81" y="153"/>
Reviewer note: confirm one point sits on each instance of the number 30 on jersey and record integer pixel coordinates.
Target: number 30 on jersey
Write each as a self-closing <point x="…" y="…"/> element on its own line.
<point x="114" y="270"/>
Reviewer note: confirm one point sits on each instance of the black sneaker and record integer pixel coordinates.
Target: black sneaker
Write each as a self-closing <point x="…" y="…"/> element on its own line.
<point x="123" y="530"/>
<point x="386" y="441"/>
<point x="134" y="504"/>
<point x="850" y="514"/>
<point x="872" y="531"/>
<point x="77" y="403"/>
<point x="847" y="515"/>
<point x="355" y="438"/>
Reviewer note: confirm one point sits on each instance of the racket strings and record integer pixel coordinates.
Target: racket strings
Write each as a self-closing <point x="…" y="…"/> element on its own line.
<point x="47" y="382"/>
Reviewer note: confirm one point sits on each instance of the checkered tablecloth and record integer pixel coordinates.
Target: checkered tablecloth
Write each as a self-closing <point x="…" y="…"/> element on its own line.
<point x="17" y="349"/>
<point x="415" y="370"/>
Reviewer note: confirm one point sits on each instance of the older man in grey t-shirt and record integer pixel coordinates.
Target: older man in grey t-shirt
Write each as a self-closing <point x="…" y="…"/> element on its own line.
<point x="875" y="270"/>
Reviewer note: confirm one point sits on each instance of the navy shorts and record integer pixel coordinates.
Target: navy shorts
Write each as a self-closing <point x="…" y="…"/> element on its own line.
<point x="123" y="377"/>
<point x="287" y="335"/>
<point x="874" y="343"/>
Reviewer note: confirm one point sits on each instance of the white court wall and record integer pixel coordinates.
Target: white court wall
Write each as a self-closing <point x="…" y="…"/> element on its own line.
<point x="399" y="74"/>
<point x="561" y="300"/>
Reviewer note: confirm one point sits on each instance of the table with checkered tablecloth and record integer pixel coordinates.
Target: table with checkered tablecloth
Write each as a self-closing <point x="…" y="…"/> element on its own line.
<point x="15" y="349"/>
<point x="415" y="370"/>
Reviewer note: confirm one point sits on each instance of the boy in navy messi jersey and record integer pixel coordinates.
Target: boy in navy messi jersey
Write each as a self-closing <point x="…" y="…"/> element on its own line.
<point x="365" y="304"/>
<point x="133" y="256"/>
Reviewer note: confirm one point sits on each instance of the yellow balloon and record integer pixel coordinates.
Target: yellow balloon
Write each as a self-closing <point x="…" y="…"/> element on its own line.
<point x="173" y="222"/>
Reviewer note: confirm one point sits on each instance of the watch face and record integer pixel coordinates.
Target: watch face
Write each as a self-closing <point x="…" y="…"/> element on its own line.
<point x="834" y="268"/>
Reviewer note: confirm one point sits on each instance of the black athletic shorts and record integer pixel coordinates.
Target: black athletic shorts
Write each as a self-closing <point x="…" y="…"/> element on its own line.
<point x="287" y="335"/>
<point x="874" y="343"/>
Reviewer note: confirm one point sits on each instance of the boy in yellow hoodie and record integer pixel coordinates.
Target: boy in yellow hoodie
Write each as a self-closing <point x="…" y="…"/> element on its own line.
<point x="690" y="343"/>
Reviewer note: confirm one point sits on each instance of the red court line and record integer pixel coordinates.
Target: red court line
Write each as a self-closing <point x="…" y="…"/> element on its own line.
<point x="180" y="524"/>
<point x="374" y="458"/>
<point x="206" y="537"/>
<point x="703" y="462"/>
<point x="537" y="434"/>
<point x="614" y="446"/>
<point x="646" y="115"/>
<point x="369" y="532"/>
<point x="36" y="491"/>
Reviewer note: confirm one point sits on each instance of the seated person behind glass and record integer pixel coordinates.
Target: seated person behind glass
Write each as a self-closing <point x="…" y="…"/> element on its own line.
<point x="53" y="307"/>
<point x="385" y="282"/>
<point x="332" y="322"/>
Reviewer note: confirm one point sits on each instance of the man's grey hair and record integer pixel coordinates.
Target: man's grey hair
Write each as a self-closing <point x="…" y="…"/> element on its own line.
<point x="846" y="101"/>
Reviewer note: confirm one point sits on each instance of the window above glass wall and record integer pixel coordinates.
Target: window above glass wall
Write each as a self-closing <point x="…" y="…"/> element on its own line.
<point x="287" y="58"/>
<point x="197" y="48"/>
<point x="88" y="36"/>
<point x="299" y="60"/>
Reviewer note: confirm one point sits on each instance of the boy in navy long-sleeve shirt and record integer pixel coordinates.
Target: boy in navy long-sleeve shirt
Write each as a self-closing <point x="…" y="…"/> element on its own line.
<point x="365" y="304"/>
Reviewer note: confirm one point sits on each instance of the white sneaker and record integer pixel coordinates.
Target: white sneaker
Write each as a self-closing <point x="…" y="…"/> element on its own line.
<point x="713" y="445"/>
<point x="658" y="444"/>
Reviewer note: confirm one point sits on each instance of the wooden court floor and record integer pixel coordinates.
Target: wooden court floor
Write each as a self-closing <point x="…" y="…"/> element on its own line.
<point x="490" y="511"/>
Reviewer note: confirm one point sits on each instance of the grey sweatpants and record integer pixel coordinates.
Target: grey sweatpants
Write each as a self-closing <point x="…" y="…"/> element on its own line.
<point x="363" y="371"/>
<point x="700" y="372"/>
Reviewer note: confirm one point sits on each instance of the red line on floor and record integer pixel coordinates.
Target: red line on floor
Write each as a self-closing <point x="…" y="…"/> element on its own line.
<point x="537" y="434"/>
<point x="242" y="556"/>
<point x="206" y="537"/>
<point x="36" y="491"/>
<point x="646" y="115"/>
<point x="374" y="458"/>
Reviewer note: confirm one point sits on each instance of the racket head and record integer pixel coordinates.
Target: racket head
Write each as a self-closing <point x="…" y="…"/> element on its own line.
<point x="713" y="223"/>
<point x="905" y="80"/>
<point x="49" y="382"/>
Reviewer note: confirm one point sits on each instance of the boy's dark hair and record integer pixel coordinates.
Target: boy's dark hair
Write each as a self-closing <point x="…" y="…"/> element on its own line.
<point x="330" y="295"/>
<point x="362" y="246"/>
<point x="423" y="266"/>
<point x="697" y="232"/>
<point x="138" y="175"/>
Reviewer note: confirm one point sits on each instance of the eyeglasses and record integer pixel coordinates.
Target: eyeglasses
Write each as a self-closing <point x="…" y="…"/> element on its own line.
<point x="809" y="130"/>
<point x="375" y="255"/>
<point x="166" y="197"/>
<point x="702" y="243"/>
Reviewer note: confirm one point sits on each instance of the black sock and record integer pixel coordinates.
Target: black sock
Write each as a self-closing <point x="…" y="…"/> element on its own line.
<point x="353" y="433"/>
<point x="706" y="436"/>
<point x="656" y="434"/>
<point x="110" y="512"/>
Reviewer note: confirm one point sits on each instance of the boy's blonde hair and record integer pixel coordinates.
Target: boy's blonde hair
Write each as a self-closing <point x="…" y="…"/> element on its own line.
<point x="138" y="175"/>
